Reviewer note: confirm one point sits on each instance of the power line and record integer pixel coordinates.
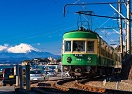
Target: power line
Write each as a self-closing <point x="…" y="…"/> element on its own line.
<point x="89" y="4"/>
<point x="106" y="16"/>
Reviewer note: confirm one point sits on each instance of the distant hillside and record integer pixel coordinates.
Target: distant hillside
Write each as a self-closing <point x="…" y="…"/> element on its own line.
<point x="6" y="57"/>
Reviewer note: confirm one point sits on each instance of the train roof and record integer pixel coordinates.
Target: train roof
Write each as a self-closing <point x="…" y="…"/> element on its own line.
<point x="84" y="34"/>
<point x="81" y="34"/>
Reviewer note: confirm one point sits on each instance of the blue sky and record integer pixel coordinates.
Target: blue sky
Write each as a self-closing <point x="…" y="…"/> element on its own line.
<point x="41" y="23"/>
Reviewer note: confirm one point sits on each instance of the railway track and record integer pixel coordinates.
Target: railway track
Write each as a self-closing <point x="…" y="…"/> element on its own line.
<point x="74" y="86"/>
<point x="59" y="88"/>
<point x="80" y="87"/>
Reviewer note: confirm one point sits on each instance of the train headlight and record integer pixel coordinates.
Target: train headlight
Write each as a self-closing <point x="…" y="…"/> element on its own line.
<point x="89" y="58"/>
<point x="69" y="59"/>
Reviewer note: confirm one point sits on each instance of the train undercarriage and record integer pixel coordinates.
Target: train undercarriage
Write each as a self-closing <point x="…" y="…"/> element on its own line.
<point x="90" y="71"/>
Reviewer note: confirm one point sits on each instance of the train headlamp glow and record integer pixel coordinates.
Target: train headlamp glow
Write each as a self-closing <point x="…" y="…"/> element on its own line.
<point x="89" y="58"/>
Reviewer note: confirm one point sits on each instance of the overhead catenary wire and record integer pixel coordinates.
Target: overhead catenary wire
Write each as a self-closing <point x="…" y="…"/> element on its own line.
<point x="106" y="35"/>
<point x="97" y="24"/>
<point x="108" y="17"/>
<point x="118" y="12"/>
<point x="91" y="19"/>
<point x="76" y="1"/>
<point x="100" y="27"/>
<point x="104" y="22"/>
<point x="95" y="3"/>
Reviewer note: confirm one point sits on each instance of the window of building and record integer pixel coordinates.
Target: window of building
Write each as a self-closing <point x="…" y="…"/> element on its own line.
<point x="90" y="46"/>
<point x="78" y="45"/>
<point x="67" y="46"/>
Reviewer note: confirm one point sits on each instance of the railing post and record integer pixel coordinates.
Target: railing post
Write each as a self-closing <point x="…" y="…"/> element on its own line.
<point x="21" y="77"/>
<point x="61" y="71"/>
<point x="17" y="75"/>
<point x="28" y="77"/>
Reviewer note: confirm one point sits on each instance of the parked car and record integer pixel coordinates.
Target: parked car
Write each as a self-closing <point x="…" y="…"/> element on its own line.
<point x="8" y="76"/>
<point x="50" y="73"/>
<point x="36" y="75"/>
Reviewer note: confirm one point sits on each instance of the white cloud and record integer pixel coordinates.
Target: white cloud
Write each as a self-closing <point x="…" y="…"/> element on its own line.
<point x="3" y="47"/>
<point x="114" y="46"/>
<point x="38" y="43"/>
<point x="22" y="48"/>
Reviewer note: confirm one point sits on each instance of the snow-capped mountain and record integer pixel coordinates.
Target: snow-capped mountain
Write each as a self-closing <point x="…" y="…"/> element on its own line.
<point x="21" y="48"/>
<point x="22" y="52"/>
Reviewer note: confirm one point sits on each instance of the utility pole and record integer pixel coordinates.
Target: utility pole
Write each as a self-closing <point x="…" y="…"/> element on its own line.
<point x="120" y="25"/>
<point x="128" y="27"/>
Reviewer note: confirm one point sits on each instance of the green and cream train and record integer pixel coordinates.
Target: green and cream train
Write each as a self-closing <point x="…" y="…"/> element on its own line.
<point x="85" y="53"/>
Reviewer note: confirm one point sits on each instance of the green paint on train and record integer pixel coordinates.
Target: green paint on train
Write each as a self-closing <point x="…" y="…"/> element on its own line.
<point x="80" y="59"/>
<point x="80" y="34"/>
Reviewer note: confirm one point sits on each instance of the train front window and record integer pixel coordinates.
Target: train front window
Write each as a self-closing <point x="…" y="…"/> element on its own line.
<point x="90" y="46"/>
<point x="67" y="46"/>
<point x="78" y="45"/>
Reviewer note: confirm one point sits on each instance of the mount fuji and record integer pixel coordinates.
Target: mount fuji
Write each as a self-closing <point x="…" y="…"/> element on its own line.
<point x="22" y="52"/>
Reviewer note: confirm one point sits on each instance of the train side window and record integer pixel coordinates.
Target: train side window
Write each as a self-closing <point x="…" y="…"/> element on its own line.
<point x="90" y="46"/>
<point x="67" y="46"/>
